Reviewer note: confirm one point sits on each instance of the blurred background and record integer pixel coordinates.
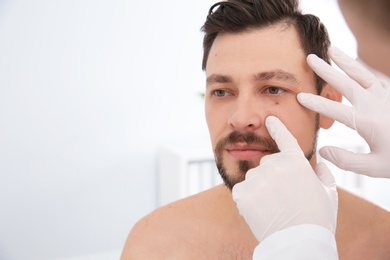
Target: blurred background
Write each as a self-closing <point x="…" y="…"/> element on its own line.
<point x="93" y="94"/>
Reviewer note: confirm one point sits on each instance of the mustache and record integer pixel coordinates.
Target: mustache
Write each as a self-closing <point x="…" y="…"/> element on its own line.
<point x="250" y="138"/>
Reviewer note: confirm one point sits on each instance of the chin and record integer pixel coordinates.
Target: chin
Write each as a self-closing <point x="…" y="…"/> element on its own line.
<point x="233" y="175"/>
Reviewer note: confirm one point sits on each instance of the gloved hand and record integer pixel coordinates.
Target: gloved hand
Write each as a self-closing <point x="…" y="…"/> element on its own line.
<point x="369" y="116"/>
<point x="284" y="190"/>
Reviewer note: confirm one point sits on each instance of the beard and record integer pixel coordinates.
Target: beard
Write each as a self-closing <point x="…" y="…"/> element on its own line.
<point x="243" y="166"/>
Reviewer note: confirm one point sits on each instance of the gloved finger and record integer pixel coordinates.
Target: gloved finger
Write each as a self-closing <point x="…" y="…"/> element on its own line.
<point x="283" y="138"/>
<point x="346" y="160"/>
<point x="342" y="83"/>
<point x="325" y="176"/>
<point x="340" y="112"/>
<point x="384" y="80"/>
<point x="354" y="69"/>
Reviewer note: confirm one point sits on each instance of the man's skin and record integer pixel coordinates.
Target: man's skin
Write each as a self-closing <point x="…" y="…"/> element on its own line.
<point x="208" y="225"/>
<point x="372" y="34"/>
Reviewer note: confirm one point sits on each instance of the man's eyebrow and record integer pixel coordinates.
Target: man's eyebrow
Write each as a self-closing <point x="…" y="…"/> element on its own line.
<point x="218" y="78"/>
<point x="278" y="75"/>
<point x="261" y="76"/>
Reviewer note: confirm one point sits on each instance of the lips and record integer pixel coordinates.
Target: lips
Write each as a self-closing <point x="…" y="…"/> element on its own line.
<point x="246" y="152"/>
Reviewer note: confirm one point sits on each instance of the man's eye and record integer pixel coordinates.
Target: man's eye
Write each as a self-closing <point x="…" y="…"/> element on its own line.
<point x="274" y="90"/>
<point x="221" y="93"/>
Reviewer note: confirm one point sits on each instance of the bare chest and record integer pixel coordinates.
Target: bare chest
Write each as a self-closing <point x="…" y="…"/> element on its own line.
<point x="213" y="243"/>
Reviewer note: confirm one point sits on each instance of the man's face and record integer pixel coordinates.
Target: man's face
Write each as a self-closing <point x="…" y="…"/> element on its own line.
<point x="250" y="76"/>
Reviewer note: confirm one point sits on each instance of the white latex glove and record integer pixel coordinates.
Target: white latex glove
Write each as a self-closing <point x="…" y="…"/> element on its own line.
<point x="284" y="190"/>
<point x="369" y="116"/>
<point x="301" y="242"/>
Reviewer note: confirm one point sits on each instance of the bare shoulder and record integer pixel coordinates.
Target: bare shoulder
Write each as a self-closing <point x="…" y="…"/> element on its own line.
<point x="363" y="228"/>
<point x="148" y="236"/>
<point x="177" y="228"/>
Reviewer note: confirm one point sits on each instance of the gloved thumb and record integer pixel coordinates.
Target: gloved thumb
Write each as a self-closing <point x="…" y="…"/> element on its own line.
<point x="325" y="176"/>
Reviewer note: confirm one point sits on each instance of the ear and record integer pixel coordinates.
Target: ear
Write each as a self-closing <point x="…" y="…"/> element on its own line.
<point x="330" y="93"/>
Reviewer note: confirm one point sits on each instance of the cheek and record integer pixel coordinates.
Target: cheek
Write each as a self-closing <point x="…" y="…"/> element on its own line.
<point x="289" y="111"/>
<point x="298" y="120"/>
<point x="209" y="120"/>
<point x="215" y="122"/>
<point x="209" y="113"/>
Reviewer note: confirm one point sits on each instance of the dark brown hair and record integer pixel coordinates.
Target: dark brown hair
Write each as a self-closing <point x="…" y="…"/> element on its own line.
<point x="235" y="16"/>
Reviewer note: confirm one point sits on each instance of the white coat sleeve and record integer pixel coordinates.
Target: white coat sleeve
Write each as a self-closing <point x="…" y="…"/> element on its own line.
<point x="299" y="242"/>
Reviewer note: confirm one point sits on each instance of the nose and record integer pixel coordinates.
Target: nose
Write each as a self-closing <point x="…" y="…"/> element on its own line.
<point x="246" y="115"/>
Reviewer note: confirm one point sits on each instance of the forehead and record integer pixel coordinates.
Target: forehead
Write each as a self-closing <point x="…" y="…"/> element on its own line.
<point x="259" y="50"/>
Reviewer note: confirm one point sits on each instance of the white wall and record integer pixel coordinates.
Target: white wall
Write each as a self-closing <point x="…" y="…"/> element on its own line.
<point x="88" y="92"/>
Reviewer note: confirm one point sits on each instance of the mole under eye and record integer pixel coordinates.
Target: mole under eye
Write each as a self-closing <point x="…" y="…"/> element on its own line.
<point x="274" y="90"/>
